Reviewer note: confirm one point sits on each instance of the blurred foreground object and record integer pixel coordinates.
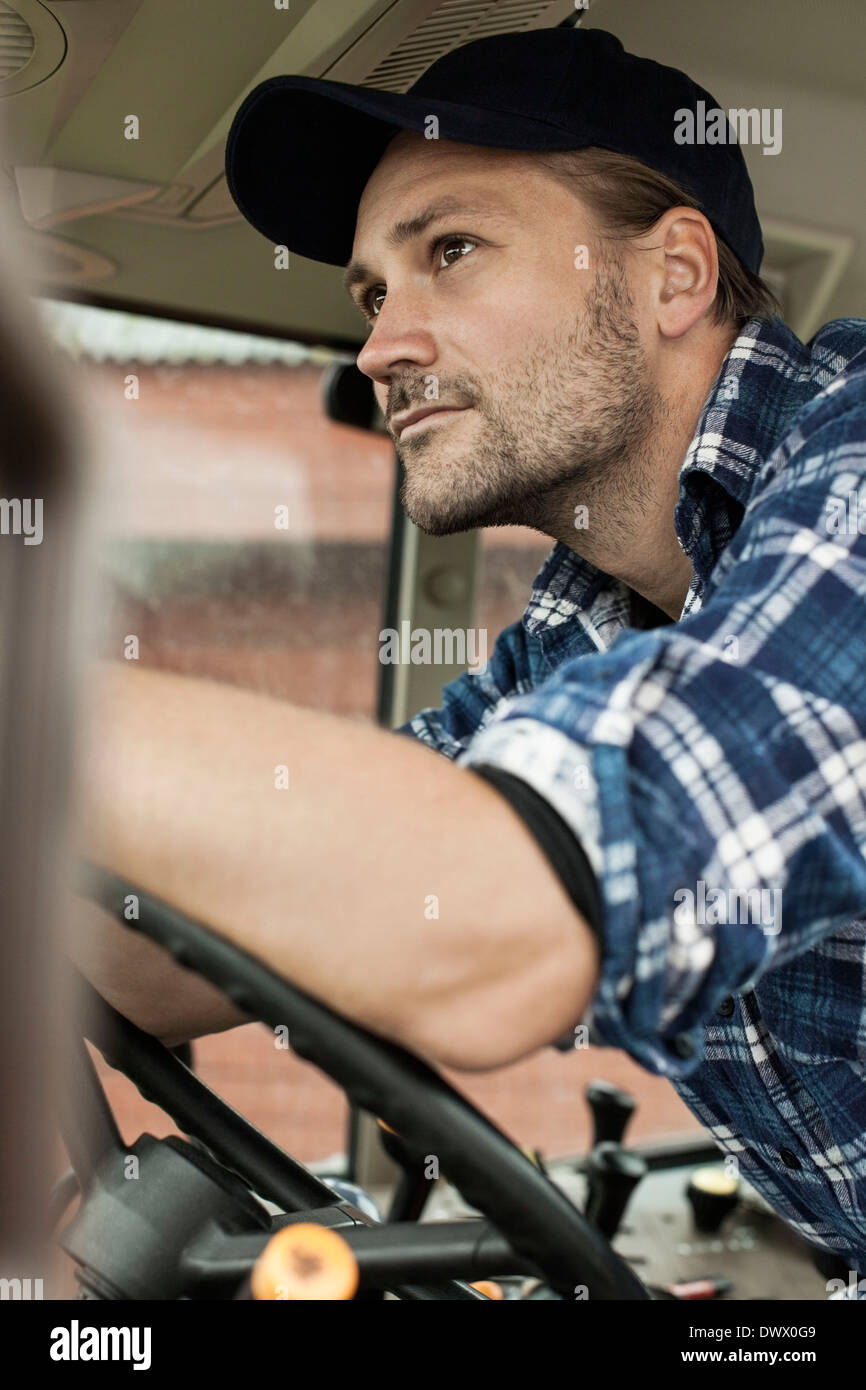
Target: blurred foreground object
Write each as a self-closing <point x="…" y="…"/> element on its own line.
<point x="42" y="644"/>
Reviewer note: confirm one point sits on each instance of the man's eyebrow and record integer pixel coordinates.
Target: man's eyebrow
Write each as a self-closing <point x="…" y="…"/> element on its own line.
<point x="356" y="273"/>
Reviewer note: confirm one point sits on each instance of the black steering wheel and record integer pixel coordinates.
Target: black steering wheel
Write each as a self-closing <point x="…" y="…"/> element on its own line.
<point x="528" y="1217"/>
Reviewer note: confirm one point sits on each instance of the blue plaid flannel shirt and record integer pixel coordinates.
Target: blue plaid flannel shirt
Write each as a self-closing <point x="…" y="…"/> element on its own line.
<point x="714" y="771"/>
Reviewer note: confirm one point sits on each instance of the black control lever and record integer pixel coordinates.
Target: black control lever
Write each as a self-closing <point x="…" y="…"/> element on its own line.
<point x="611" y="1111"/>
<point x="612" y="1174"/>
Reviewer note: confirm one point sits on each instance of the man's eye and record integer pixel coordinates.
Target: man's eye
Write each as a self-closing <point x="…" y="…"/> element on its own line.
<point x="447" y="244"/>
<point x="370" y="301"/>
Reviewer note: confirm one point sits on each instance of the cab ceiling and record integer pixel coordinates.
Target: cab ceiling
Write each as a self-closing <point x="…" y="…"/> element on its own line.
<point x="148" y="224"/>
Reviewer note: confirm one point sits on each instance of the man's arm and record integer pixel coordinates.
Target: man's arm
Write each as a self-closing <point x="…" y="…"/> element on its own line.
<point x="141" y="980"/>
<point x="384" y="880"/>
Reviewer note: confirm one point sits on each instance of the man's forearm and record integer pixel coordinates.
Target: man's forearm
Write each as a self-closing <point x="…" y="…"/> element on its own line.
<point x="376" y="875"/>
<point x="142" y="981"/>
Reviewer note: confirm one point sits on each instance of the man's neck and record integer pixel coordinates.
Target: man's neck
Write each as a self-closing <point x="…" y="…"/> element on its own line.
<point x="624" y="523"/>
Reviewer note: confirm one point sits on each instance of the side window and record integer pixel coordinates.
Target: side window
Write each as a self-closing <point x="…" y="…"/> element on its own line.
<point x="242" y="537"/>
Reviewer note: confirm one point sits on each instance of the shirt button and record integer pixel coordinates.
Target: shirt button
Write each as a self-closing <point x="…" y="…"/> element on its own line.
<point x="683" y="1045"/>
<point x="726" y="1008"/>
<point x="789" y="1159"/>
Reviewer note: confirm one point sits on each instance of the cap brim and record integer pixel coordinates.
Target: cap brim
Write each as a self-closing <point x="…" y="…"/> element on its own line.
<point x="301" y="149"/>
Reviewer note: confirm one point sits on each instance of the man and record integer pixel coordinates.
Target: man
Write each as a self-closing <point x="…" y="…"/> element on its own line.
<point x="566" y="330"/>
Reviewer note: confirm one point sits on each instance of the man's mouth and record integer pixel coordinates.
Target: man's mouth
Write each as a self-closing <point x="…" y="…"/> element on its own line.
<point x="413" y="421"/>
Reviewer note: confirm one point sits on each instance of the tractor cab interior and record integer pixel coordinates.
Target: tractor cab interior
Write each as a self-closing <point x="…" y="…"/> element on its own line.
<point x="330" y="1164"/>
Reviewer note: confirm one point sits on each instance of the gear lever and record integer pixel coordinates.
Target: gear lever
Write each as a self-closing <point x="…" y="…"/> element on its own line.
<point x="612" y="1174"/>
<point x="611" y="1111"/>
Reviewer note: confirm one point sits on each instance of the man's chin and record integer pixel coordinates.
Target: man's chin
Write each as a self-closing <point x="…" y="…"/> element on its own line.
<point x="438" y="509"/>
<point x="436" y="524"/>
<point x="444" y="520"/>
<point x="445" y="515"/>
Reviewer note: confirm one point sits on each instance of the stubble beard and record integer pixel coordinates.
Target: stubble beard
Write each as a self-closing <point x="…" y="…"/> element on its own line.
<point x="571" y="426"/>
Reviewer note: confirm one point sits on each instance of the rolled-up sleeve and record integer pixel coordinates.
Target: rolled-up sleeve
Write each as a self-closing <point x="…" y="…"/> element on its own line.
<point x="714" y="771"/>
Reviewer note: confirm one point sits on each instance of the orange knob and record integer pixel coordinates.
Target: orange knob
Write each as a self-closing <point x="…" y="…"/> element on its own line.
<point x="305" y="1261"/>
<point x="489" y="1288"/>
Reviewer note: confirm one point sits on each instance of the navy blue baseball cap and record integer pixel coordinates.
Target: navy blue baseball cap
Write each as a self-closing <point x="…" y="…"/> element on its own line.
<point x="301" y="149"/>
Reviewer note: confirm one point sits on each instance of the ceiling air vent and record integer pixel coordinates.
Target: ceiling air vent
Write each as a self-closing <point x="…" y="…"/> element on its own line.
<point x="17" y="42"/>
<point x="451" y="24"/>
<point x="32" y="45"/>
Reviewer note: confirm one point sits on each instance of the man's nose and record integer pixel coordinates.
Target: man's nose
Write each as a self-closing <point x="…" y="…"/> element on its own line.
<point x="399" y="340"/>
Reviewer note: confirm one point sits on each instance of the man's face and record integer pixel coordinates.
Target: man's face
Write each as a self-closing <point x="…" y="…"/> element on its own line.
<point x="482" y="312"/>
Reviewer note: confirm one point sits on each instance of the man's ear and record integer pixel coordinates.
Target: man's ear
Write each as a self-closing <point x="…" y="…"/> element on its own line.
<point x="686" y="269"/>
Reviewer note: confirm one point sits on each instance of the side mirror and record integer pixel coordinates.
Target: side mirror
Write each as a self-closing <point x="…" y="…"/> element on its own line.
<point x="347" y="396"/>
